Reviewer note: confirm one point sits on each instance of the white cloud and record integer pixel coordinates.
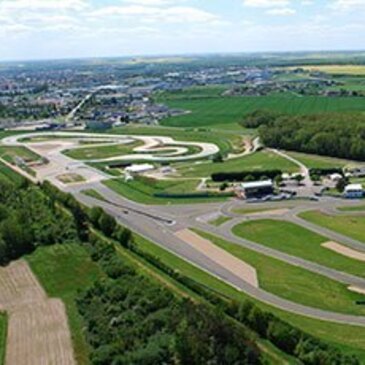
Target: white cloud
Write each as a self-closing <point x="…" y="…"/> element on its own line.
<point x="266" y="3"/>
<point x="282" y="11"/>
<point x="43" y="5"/>
<point x="348" y="4"/>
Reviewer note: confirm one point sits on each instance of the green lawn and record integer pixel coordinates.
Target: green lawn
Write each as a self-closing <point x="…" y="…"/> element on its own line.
<point x="351" y="226"/>
<point x="226" y="110"/>
<point x="262" y="160"/>
<point x="95" y="153"/>
<point x="94" y="194"/>
<point x="319" y="162"/>
<point x="297" y="241"/>
<point x="142" y="190"/>
<point x="63" y="270"/>
<point x="294" y="283"/>
<point x="9" y="175"/>
<point x="356" y="208"/>
<point x="3" y="335"/>
<point x="9" y="154"/>
<point x="220" y="220"/>
<point x="350" y="339"/>
<point x="226" y="139"/>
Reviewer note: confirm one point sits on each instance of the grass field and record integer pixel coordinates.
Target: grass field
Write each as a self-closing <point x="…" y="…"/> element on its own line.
<point x="297" y="241"/>
<point x="262" y="160"/>
<point x="225" y="138"/>
<point x="3" y="335"/>
<point x="350" y="339"/>
<point x="220" y="220"/>
<point x="319" y="162"/>
<point x="9" y="154"/>
<point x="8" y="175"/>
<point x="293" y="283"/>
<point x="94" y="194"/>
<point x="94" y="152"/>
<point x="63" y="270"/>
<point x="338" y="69"/>
<point x="356" y="208"/>
<point x="350" y="226"/>
<point x="142" y="190"/>
<point x="226" y="110"/>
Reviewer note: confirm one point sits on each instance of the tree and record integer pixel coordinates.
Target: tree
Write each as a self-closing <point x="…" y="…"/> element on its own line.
<point x="107" y="224"/>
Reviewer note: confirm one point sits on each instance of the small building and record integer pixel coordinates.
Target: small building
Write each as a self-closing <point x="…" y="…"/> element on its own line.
<point x="354" y="191"/>
<point x="256" y="189"/>
<point x="139" y="168"/>
<point x="335" y="177"/>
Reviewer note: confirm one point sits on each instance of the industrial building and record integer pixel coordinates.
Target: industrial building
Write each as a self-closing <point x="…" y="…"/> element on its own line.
<point x="255" y="189"/>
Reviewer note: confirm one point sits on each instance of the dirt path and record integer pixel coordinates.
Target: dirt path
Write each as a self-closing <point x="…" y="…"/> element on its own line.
<point x="38" y="330"/>
<point x="220" y="256"/>
<point x="345" y="251"/>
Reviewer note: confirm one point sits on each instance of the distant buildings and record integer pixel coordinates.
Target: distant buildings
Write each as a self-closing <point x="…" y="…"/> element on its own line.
<point x="255" y="189"/>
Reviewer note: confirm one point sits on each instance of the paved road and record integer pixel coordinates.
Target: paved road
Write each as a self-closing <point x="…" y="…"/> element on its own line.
<point x="155" y="223"/>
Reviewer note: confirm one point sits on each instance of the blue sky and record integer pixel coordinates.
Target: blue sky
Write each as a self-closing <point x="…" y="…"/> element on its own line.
<point x="48" y="29"/>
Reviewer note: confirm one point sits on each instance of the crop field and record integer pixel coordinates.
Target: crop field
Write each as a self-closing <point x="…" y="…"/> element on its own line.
<point x="10" y="154"/>
<point x="142" y="190"/>
<point x="3" y="331"/>
<point x="100" y="152"/>
<point x="258" y="161"/>
<point x="351" y="226"/>
<point x="350" y="339"/>
<point x="63" y="270"/>
<point x="338" y="69"/>
<point x="226" y="110"/>
<point x="319" y="162"/>
<point x="297" y="241"/>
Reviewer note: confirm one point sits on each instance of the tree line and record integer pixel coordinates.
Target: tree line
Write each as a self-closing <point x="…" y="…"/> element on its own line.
<point x="130" y="318"/>
<point x="334" y="134"/>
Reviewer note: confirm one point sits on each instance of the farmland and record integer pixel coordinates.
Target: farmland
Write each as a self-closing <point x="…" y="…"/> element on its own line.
<point x="297" y="241"/>
<point x="227" y="110"/>
<point x="338" y="69"/>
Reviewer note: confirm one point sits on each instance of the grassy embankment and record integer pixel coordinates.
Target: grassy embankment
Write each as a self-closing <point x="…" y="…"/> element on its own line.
<point x="351" y="226"/>
<point x="142" y="190"/>
<point x="3" y="335"/>
<point x="63" y="270"/>
<point x="297" y="241"/>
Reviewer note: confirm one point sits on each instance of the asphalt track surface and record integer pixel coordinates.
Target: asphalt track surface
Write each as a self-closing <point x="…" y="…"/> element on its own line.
<point x="159" y="223"/>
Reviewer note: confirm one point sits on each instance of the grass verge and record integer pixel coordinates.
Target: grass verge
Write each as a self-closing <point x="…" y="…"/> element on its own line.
<point x="63" y="270"/>
<point x="297" y="241"/>
<point x="3" y="335"/>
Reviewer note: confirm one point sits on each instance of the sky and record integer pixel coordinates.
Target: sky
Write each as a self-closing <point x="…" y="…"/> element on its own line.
<point x="52" y="29"/>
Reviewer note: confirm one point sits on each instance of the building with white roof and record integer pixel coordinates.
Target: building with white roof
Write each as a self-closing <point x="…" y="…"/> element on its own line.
<point x="353" y="191"/>
<point x="256" y="189"/>
<point x="139" y="168"/>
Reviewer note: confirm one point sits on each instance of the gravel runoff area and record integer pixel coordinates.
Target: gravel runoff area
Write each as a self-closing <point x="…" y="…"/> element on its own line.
<point x="38" y="330"/>
<point x="220" y="256"/>
<point x="344" y="250"/>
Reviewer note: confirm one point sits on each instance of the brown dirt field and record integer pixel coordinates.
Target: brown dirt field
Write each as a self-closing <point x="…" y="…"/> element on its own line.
<point x="38" y="330"/>
<point x="220" y="256"/>
<point x="345" y="251"/>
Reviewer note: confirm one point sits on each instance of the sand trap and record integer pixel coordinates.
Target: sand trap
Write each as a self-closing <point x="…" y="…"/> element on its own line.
<point x="345" y="251"/>
<point x="220" y="256"/>
<point x="38" y="330"/>
<point x="269" y="212"/>
<point x="356" y="289"/>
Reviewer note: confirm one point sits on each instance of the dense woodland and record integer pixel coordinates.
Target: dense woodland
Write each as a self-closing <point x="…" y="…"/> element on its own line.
<point x="337" y="135"/>
<point x="134" y="319"/>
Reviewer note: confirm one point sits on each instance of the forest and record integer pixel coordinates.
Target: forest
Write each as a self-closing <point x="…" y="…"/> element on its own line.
<point x="337" y="135"/>
<point x="132" y="318"/>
